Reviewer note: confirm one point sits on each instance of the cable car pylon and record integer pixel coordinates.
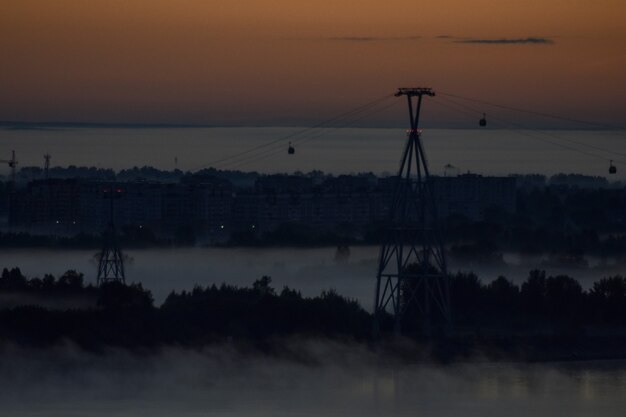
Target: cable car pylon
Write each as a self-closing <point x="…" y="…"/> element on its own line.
<point x="412" y="272"/>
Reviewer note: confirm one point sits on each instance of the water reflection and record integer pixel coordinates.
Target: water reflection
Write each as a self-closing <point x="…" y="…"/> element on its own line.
<point x="340" y="380"/>
<point x="579" y="389"/>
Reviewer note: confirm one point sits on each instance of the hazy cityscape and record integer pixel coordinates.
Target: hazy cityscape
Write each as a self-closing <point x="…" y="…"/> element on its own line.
<point x="270" y="208"/>
<point x="213" y="210"/>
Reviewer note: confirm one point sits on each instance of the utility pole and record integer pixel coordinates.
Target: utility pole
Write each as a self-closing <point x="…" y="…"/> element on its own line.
<point x="111" y="263"/>
<point x="48" y="191"/>
<point x="46" y="167"/>
<point x="412" y="269"/>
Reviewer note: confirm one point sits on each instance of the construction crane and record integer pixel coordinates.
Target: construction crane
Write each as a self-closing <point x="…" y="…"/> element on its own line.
<point x="12" y="164"/>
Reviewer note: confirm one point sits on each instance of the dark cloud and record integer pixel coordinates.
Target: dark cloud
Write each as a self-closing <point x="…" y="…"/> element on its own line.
<point x="506" y="41"/>
<point x="373" y="38"/>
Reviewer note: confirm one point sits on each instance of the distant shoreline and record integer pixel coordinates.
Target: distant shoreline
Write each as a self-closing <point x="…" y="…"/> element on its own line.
<point x="23" y="125"/>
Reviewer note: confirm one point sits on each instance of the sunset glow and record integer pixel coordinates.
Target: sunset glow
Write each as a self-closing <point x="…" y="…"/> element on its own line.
<point x="290" y="62"/>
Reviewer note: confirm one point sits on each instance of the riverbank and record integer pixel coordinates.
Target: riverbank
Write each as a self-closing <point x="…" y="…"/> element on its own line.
<point x="545" y="319"/>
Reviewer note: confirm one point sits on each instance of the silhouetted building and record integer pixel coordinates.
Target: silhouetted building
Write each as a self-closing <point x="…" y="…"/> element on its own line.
<point x="211" y="209"/>
<point x="212" y="201"/>
<point x="529" y="181"/>
<point x="579" y="180"/>
<point x="50" y="206"/>
<point x="472" y="195"/>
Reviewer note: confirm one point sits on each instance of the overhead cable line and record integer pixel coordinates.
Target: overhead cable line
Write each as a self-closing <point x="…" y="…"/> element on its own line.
<point x="273" y="152"/>
<point x="533" y="112"/>
<point x="551" y="134"/>
<point x="356" y="110"/>
<point x="522" y="130"/>
<point x="276" y="148"/>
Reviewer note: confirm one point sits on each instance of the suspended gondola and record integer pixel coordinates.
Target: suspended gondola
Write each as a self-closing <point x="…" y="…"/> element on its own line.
<point x="612" y="168"/>
<point x="247" y="156"/>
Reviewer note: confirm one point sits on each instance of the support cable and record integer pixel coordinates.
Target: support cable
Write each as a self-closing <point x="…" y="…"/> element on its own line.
<point x="339" y="117"/>
<point x="522" y="130"/>
<point x="268" y="153"/>
<point x="533" y="112"/>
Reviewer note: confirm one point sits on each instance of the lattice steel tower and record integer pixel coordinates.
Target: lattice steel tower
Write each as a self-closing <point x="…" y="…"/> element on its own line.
<point x="111" y="263"/>
<point x="412" y="274"/>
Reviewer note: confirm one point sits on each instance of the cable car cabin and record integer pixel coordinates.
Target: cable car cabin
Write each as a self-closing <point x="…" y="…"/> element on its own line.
<point x="612" y="168"/>
<point x="483" y="122"/>
<point x="291" y="150"/>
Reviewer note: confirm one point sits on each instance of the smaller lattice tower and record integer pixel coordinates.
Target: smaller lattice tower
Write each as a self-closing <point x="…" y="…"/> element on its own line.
<point x="13" y="165"/>
<point x="111" y="262"/>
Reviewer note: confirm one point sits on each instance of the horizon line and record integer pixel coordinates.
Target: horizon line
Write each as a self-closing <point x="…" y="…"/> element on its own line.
<point x="49" y="125"/>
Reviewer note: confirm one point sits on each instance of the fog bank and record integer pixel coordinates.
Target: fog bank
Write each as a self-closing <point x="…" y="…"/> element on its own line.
<point x="322" y="379"/>
<point x="309" y="270"/>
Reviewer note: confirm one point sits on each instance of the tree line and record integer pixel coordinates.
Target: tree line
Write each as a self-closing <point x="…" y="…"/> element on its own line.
<point x="125" y="315"/>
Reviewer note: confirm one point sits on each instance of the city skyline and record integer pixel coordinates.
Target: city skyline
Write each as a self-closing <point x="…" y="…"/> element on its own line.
<point x="289" y="63"/>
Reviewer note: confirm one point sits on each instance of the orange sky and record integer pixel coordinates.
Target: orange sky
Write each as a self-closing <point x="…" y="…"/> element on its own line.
<point x="291" y="61"/>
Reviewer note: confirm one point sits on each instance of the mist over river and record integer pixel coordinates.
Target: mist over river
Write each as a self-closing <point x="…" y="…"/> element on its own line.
<point x="309" y="270"/>
<point x="336" y="380"/>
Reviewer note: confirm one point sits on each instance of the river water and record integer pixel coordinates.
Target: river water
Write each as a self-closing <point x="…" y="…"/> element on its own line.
<point x="349" y="150"/>
<point x="343" y="380"/>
